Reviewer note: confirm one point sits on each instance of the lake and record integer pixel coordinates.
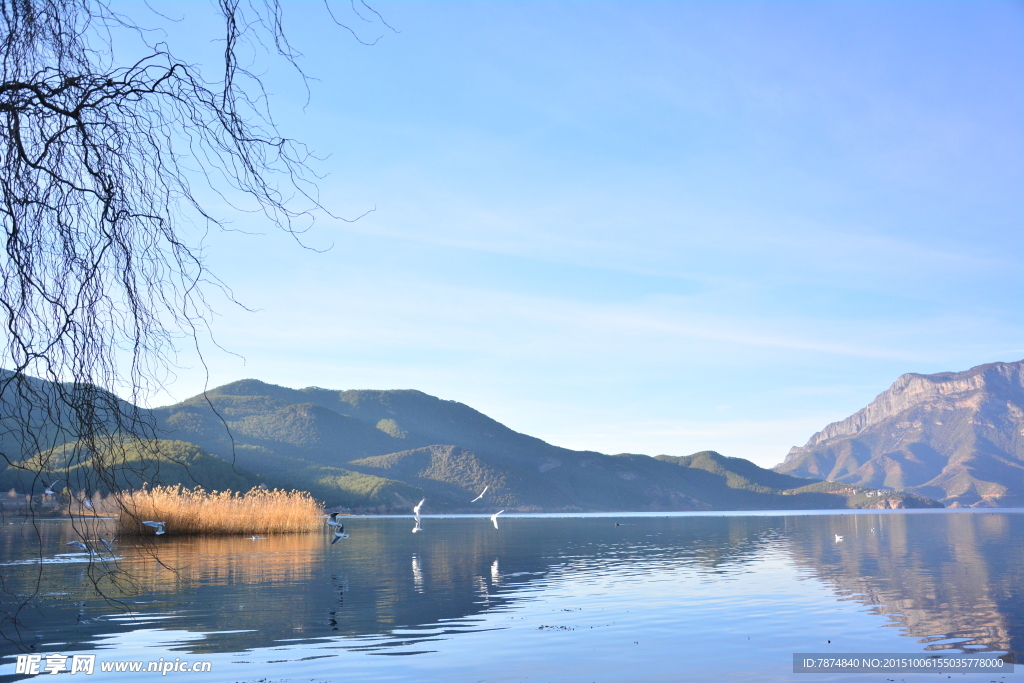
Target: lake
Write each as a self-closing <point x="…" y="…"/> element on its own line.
<point x="584" y="598"/>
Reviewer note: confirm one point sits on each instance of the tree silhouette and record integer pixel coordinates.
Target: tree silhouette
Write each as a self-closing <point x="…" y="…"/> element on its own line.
<point x="102" y="275"/>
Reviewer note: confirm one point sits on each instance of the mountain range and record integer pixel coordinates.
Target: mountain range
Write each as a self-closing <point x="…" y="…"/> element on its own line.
<point x="382" y="451"/>
<point x="957" y="437"/>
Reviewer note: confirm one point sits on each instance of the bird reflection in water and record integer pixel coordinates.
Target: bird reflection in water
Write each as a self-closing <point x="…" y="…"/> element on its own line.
<point x="417" y="574"/>
<point x="481" y="587"/>
<point x="340" y="584"/>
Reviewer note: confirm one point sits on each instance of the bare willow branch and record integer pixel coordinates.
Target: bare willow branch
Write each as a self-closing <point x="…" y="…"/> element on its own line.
<point x="102" y="268"/>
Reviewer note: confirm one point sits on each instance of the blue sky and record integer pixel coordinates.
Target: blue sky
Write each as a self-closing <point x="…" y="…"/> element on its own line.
<point x="643" y="227"/>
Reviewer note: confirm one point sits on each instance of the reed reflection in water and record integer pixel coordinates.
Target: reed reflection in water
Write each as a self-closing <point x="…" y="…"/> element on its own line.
<point x="658" y="598"/>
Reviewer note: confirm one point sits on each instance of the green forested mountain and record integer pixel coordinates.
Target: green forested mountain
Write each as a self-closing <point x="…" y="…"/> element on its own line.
<point x="36" y="415"/>
<point x="138" y="463"/>
<point x="384" y="450"/>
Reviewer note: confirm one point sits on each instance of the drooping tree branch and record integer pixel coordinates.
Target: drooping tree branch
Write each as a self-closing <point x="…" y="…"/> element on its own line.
<point x="102" y="270"/>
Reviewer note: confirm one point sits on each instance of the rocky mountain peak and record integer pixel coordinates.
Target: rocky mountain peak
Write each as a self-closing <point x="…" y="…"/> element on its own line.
<point x="955" y="436"/>
<point x="939" y="391"/>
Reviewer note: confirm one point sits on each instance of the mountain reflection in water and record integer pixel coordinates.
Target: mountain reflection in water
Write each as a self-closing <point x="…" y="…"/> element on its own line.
<point x="959" y="575"/>
<point x="944" y="580"/>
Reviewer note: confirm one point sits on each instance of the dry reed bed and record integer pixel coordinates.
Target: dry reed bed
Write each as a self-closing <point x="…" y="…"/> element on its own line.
<point x="196" y="511"/>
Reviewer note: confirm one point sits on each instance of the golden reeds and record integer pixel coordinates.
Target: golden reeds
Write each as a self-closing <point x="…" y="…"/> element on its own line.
<point x="196" y="511"/>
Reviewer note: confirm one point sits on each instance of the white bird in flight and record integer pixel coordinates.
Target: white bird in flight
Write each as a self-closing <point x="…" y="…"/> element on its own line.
<point x="494" y="518"/>
<point x="340" y="533"/>
<point x="416" y="513"/>
<point x="106" y="544"/>
<point x="77" y="544"/>
<point x="49" y="488"/>
<point x="159" y="526"/>
<point x="333" y="521"/>
<point x="838" y="538"/>
<point x="481" y="495"/>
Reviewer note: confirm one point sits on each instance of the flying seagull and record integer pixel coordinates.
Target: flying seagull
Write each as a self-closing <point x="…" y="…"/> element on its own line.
<point x="340" y="528"/>
<point x="49" y="488"/>
<point x="106" y="544"/>
<point x="838" y="538"/>
<point x="77" y="544"/>
<point x="159" y="526"/>
<point x="87" y="504"/>
<point x="416" y="513"/>
<point x="494" y="518"/>
<point x="481" y="495"/>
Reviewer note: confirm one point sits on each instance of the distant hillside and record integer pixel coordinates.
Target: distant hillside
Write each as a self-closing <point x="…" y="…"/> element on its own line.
<point x="165" y="462"/>
<point x="742" y="485"/>
<point x="35" y="414"/>
<point x="954" y="436"/>
<point x="386" y="449"/>
<point x="381" y="451"/>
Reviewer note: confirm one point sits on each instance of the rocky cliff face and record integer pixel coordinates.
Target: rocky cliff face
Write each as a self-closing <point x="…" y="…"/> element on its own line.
<point x="954" y="436"/>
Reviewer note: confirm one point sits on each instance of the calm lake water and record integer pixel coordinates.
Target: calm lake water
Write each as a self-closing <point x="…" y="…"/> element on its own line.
<point x="675" y="597"/>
